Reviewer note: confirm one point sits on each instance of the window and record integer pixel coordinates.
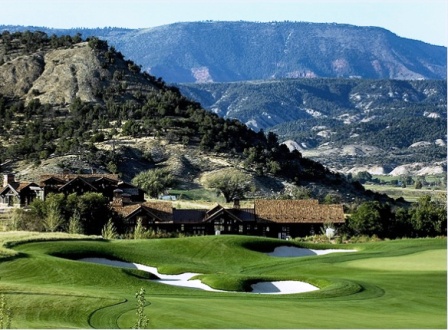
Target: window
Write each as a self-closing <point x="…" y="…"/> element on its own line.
<point x="219" y="227"/>
<point x="197" y="230"/>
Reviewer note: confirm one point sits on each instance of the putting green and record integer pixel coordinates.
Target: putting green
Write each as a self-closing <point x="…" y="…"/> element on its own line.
<point x="396" y="284"/>
<point x="431" y="260"/>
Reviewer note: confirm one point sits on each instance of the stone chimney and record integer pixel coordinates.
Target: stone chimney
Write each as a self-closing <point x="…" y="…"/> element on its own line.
<point x="121" y="198"/>
<point x="118" y="200"/>
<point x="8" y="179"/>
<point x="236" y="203"/>
<point x="118" y="193"/>
<point x="126" y="198"/>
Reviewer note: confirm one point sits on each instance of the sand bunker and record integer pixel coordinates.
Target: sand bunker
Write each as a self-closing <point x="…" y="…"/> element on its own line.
<point x="291" y="251"/>
<point x="282" y="287"/>
<point x="184" y="280"/>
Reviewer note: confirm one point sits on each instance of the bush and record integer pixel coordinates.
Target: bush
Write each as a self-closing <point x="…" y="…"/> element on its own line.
<point x="26" y="220"/>
<point x="5" y="314"/>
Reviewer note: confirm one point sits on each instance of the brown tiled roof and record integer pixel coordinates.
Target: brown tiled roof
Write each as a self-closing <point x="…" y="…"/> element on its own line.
<point x="297" y="211"/>
<point x="125" y="210"/>
<point x="163" y="210"/>
<point x="279" y="211"/>
<point x="160" y="210"/>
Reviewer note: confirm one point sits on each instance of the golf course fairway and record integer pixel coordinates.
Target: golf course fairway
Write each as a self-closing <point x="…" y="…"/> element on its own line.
<point x="385" y="284"/>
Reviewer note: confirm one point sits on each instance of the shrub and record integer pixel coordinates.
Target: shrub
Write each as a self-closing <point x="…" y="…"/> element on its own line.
<point x="5" y="314"/>
<point x="109" y="231"/>
<point x="142" y="319"/>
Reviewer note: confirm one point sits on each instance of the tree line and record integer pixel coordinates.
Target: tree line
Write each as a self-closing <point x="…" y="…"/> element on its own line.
<point x="425" y="218"/>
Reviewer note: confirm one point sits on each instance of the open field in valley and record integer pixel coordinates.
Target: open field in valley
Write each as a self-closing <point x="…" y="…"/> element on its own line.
<point x="385" y="284"/>
<point x="409" y="194"/>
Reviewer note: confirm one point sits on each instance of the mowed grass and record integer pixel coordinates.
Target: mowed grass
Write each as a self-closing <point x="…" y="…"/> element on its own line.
<point x="389" y="284"/>
<point x="409" y="194"/>
<point x="432" y="260"/>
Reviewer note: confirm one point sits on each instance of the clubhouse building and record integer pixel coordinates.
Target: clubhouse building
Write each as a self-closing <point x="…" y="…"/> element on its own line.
<point x="270" y="218"/>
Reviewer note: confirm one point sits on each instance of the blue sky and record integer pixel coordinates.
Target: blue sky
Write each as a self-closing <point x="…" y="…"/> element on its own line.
<point x="425" y="20"/>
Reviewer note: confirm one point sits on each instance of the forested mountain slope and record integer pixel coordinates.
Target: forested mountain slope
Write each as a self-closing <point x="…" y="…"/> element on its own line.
<point x="72" y="103"/>
<point x="340" y="122"/>
<point x="235" y="51"/>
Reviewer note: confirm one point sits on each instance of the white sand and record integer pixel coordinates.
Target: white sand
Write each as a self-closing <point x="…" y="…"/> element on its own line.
<point x="280" y="287"/>
<point x="291" y="251"/>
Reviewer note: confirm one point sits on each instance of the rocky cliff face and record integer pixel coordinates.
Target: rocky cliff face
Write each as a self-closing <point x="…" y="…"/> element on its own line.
<point x="59" y="76"/>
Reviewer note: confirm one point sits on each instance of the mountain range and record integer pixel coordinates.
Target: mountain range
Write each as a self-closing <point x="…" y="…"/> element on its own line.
<point x="343" y="123"/>
<point x="213" y="51"/>
<point x="375" y="99"/>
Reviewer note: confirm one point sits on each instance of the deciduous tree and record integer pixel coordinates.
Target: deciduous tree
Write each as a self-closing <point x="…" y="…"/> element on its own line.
<point x="230" y="183"/>
<point x="371" y="218"/>
<point x="53" y="220"/>
<point x="428" y="217"/>
<point x="153" y="182"/>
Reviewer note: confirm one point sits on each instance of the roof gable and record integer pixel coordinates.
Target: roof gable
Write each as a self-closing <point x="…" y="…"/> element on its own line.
<point x="52" y="181"/>
<point x="8" y="188"/>
<point x="159" y="211"/>
<point x="64" y="178"/>
<point x="105" y="180"/>
<point x="24" y="185"/>
<point x="17" y="187"/>
<point x="218" y="211"/>
<point x="77" y="183"/>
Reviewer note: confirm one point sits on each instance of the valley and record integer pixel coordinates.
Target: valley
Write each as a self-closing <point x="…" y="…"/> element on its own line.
<point x="382" y="126"/>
